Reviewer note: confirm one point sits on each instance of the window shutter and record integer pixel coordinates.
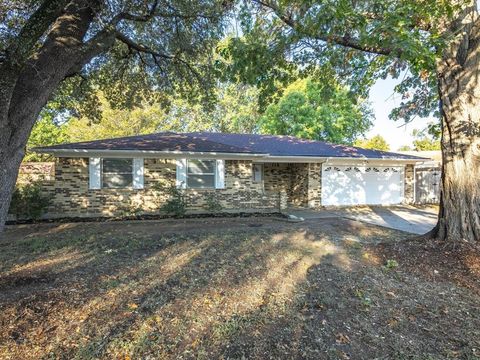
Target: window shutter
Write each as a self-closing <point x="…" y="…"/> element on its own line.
<point x="181" y="173"/>
<point x="220" y="174"/>
<point x="138" y="173"/>
<point x="94" y="173"/>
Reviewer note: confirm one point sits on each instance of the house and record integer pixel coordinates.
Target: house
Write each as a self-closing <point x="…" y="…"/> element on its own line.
<point x="243" y="172"/>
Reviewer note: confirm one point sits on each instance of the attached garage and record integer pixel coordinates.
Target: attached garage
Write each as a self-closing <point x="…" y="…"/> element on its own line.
<point x="362" y="185"/>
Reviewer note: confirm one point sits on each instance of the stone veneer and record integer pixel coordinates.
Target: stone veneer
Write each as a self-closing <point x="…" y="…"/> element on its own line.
<point x="73" y="198"/>
<point x="409" y="186"/>
<point x="284" y="185"/>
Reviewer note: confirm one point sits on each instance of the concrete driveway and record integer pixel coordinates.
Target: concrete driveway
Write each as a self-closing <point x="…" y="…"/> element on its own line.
<point x="413" y="219"/>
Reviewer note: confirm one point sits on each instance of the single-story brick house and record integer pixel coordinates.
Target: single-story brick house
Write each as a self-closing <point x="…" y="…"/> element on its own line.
<point x="243" y="172"/>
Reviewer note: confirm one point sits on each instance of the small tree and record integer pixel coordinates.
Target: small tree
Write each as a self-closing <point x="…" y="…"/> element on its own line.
<point x="317" y="110"/>
<point x="376" y="143"/>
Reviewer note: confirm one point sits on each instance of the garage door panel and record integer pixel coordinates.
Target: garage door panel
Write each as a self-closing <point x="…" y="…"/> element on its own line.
<point x="361" y="185"/>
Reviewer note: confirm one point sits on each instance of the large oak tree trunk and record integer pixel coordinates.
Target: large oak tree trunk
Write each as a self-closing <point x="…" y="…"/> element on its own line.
<point x="26" y="88"/>
<point x="9" y="164"/>
<point x="459" y="89"/>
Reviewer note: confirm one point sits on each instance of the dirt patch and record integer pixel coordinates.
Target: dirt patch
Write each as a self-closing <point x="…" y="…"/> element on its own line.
<point x="436" y="261"/>
<point x="253" y="288"/>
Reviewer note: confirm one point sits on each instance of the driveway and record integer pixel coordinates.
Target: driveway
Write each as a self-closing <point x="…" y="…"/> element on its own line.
<point x="412" y="219"/>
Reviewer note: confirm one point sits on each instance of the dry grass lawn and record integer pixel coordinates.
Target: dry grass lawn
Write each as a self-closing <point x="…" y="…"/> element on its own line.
<point x="256" y="288"/>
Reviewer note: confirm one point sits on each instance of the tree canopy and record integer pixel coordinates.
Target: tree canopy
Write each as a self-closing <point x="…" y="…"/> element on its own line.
<point x="424" y="142"/>
<point x="317" y="110"/>
<point x="376" y="143"/>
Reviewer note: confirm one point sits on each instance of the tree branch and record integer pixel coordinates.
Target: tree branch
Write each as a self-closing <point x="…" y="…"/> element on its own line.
<point x="139" y="47"/>
<point x="136" y="17"/>
<point x="21" y="47"/>
<point x="342" y="40"/>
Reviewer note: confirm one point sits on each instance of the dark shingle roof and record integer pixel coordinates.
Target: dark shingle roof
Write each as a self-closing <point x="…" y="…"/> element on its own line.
<point x="273" y="145"/>
<point x="164" y="141"/>
<point x="277" y="145"/>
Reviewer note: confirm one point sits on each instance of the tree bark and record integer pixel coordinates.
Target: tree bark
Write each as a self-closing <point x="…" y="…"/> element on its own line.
<point x="26" y="89"/>
<point x="459" y="90"/>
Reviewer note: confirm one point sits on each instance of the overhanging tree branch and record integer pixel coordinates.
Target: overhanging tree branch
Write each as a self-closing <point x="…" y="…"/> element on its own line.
<point x="21" y="47"/>
<point x="136" y="17"/>
<point x="139" y="47"/>
<point x="342" y="40"/>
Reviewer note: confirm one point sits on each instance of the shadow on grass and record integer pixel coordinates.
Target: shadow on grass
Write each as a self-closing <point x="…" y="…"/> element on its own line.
<point x="103" y="291"/>
<point x="300" y="291"/>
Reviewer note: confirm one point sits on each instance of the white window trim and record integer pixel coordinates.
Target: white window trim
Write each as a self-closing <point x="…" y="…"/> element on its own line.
<point x="220" y="174"/>
<point x="214" y="173"/>
<point x="262" y="173"/>
<point x="138" y="171"/>
<point x="96" y="173"/>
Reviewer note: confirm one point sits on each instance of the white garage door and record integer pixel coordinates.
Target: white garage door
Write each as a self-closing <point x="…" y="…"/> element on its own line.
<point x="361" y="185"/>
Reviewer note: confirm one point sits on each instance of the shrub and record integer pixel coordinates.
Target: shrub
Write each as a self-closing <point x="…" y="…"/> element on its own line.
<point x="176" y="204"/>
<point x="212" y="203"/>
<point x="28" y="201"/>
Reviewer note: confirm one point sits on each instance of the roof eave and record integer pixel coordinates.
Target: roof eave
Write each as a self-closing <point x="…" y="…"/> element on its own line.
<point x="142" y="153"/>
<point x="337" y="159"/>
<point x="214" y="154"/>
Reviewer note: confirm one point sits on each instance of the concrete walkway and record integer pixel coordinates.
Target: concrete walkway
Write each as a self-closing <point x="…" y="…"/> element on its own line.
<point x="413" y="219"/>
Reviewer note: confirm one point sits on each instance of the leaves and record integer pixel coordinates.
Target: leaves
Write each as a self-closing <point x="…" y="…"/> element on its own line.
<point x="321" y="110"/>
<point x="362" y="41"/>
<point x="377" y="143"/>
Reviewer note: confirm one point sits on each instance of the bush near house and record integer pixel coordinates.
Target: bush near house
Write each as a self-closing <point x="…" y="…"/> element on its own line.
<point x="29" y="201"/>
<point x="176" y="204"/>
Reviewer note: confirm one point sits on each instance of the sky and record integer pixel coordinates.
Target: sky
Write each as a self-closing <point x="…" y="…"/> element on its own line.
<point x="383" y="100"/>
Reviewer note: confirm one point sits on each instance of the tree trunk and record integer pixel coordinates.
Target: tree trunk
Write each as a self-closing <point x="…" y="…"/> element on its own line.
<point x="9" y="163"/>
<point x="459" y="89"/>
<point x="25" y="90"/>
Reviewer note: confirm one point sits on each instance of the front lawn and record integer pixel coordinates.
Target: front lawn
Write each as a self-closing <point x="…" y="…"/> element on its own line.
<point x="255" y="288"/>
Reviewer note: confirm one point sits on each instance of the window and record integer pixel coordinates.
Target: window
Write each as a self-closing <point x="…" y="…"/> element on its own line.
<point x="201" y="174"/>
<point x="257" y="172"/>
<point x="117" y="173"/>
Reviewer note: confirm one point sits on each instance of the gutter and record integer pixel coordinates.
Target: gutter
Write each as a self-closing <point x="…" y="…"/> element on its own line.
<point x="265" y="158"/>
<point x="143" y="153"/>
<point x="337" y="160"/>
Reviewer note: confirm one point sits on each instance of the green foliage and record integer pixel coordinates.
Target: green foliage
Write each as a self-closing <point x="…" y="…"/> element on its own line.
<point x="170" y="51"/>
<point x="405" y="148"/>
<point x="365" y="300"/>
<point x="45" y="132"/>
<point x="117" y="122"/>
<point x="176" y="203"/>
<point x="249" y="61"/>
<point x="424" y="142"/>
<point x="361" y="40"/>
<point x="317" y="110"/>
<point x="376" y="143"/>
<point x="29" y="201"/>
<point x="235" y="110"/>
<point x="212" y="203"/>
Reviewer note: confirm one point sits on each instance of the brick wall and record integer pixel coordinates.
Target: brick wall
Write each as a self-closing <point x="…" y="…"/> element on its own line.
<point x="314" y="185"/>
<point x="298" y="194"/>
<point x="409" y="184"/>
<point x="42" y="173"/>
<point x="73" y="198"/>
